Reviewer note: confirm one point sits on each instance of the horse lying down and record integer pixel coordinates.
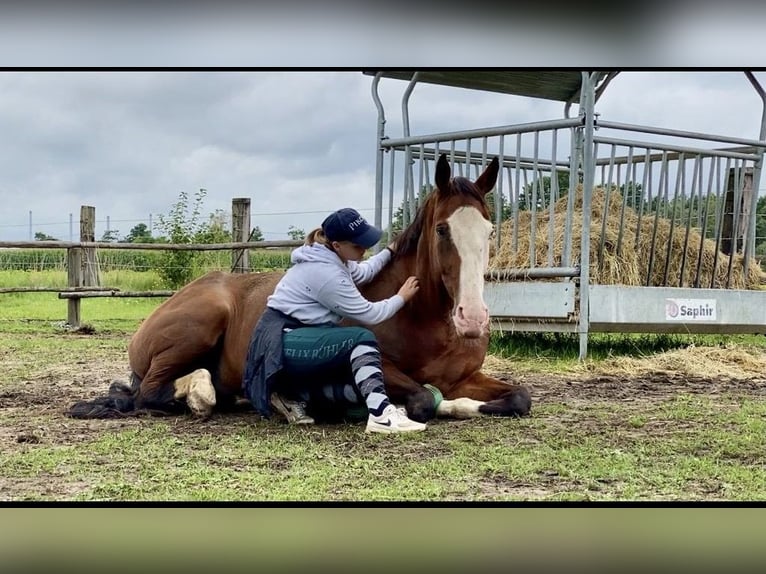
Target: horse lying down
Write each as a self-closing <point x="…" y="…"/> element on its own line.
<point x="190" y="353"/>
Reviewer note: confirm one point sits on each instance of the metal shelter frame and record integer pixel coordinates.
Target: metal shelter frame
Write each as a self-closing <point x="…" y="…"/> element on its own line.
<point x="558" y="294"/>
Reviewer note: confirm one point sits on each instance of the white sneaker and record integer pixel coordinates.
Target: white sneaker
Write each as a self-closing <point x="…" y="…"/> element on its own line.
<point x="293" y="411"/>
<point x="392" y="420"/>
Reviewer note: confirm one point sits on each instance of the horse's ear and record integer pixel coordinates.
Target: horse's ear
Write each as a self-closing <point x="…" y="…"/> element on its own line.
<point x="488" y="178"/>
<point x="443" y="173"/>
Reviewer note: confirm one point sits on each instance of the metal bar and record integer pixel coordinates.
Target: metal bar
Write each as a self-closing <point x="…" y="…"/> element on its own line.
<point x="527" y="190"/>
<point x="719" y="213"/>
<point x="672" y="155"/>
<point x="681" y="134"/>
<point x="467" y="156"/>
<point x="421" y="175"/>
<point x="739" y="184"/>
<point x="629" y="188"/>
<point x="476" y="158"/>
<point x="554" y="190"/>
<point x="429" y="187"/>
<point x="517" y="199"/>
<point x="676" y="148"/>
<point x="499" y="194"/>
<point x="533" y="219"/>
<point x="705" y="218"/>
<point x="696" y="169"/>
<point x="575" y="152"/>
<point x="531" y="273"/>
<point x="484" y="132"/>
<point x="645" y="188"/>
<point x="663" y="182"/>
<point x="381" y="132"/>
<point x="391" y="178"/>
<point x="757" y="170"/>
<point x="669" y="249"/>
<point x="588" y="169"/>
<point x="409" y="193"/>
<point x="605" y="215"/>
<point x="667" y="193"/>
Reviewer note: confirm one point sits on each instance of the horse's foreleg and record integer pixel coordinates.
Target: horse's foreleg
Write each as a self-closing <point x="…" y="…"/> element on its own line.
<point x="197" y="388"/>
<point x="419" y="401"/>
<point x="480" y="394"/>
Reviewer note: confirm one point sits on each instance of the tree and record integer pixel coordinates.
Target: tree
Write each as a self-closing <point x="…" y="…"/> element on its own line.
<point x="296" y="233"/>
<point x="110" y="236"/>
<point x="180" y="226"/>
<point x="40" y="236"/>
<point x="215" y="230"/>
<point x="139" y="234"/>
<point x="256" y="234"/>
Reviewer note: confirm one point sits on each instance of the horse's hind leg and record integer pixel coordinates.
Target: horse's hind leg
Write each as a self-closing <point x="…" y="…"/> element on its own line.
<point x="197" y="388"/>
<point x="168" y="381"/>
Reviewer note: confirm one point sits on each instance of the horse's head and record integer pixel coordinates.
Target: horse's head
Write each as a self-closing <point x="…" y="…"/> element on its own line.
<point x="452" y="231"/>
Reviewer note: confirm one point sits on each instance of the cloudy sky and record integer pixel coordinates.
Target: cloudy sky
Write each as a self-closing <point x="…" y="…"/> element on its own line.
<point x="299" y="142"/>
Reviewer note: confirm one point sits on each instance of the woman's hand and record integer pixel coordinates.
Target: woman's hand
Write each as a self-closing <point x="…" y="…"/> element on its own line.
<point x="410" y="287"/>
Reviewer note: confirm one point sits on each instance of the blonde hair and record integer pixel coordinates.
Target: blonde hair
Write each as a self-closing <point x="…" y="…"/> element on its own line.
<point x="317" y="236"/>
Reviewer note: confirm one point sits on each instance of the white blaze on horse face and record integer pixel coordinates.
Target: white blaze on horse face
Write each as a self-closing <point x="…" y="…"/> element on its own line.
<point x="470" y="235"/>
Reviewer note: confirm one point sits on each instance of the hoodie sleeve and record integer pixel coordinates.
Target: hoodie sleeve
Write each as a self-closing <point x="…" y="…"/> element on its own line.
<point x="365" y="271"/>
<point x="341" y="296"/>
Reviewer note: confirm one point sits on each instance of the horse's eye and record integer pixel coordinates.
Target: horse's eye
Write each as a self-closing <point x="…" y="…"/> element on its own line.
<point x="442" y="230"/>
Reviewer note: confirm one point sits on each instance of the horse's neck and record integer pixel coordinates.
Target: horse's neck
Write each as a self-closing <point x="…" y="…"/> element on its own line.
<point x="432" y="299"/>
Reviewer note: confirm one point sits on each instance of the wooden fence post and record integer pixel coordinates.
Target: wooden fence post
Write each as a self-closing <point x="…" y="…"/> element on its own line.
<point x="732" y="240"/>
<point x="240" y="232"/>
<point x="90" y="275"/>
<point x="74" y="279"/>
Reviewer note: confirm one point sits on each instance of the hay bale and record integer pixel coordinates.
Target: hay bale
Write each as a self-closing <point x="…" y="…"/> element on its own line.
<point x="629" y="261"/>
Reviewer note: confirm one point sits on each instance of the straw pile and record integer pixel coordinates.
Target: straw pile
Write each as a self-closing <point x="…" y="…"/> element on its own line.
<point x="629" y="266"/>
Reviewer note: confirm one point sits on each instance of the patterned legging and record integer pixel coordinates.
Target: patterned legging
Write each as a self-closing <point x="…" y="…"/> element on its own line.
<point x="368" y="377"/>
<point x="312" y="350"/>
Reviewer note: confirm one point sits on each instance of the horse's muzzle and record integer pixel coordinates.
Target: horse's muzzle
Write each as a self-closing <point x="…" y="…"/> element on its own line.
<point x="471" y="326"/>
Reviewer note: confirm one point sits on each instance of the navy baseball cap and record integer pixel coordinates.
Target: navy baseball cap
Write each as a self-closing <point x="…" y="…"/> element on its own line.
<point x="347" y="225"/>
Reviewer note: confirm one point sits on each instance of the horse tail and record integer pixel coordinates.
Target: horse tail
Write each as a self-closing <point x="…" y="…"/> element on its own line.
<point x="119" y="402"/>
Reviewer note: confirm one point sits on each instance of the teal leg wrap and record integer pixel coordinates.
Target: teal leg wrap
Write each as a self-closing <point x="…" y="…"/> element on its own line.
<point x="438" y="398"/>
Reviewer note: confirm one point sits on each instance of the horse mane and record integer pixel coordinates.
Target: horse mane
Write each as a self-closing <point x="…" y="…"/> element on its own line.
<point x="407" y="240"/>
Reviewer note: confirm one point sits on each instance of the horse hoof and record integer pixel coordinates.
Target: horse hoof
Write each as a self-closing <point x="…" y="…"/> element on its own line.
<point x="420" y="407"/>
<point x="516" y="403"/>
<point x="201" y="397"/>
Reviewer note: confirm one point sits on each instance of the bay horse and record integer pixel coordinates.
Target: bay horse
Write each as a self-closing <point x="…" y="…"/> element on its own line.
<point x="191" y="351"/>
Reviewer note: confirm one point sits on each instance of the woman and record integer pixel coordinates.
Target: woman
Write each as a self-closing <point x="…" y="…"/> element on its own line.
<point x="298" y="333"/>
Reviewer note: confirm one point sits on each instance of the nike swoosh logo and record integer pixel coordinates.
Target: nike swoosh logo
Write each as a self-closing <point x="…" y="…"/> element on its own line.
<point x="385" y="424"/>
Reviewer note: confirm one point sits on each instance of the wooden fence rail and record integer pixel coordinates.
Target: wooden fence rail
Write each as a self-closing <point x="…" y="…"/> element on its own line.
<point x="115" y="293"/>
<point x="53" y="289"/>
<point x="82" y="264"/>
<point x="151" y="246"/>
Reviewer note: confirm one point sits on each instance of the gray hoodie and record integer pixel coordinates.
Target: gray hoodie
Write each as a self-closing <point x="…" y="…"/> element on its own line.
<point x="319" y="288"/>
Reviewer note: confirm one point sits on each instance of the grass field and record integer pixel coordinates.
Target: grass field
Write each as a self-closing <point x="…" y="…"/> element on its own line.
<point x="644" y="418"/>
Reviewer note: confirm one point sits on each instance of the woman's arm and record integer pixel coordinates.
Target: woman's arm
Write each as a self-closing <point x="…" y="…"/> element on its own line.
<point x="342" y="297"/>
<point x="365" y="271"/>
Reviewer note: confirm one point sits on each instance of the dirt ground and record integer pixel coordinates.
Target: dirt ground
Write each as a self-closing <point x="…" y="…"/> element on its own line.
<point x="33" y="411"/>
